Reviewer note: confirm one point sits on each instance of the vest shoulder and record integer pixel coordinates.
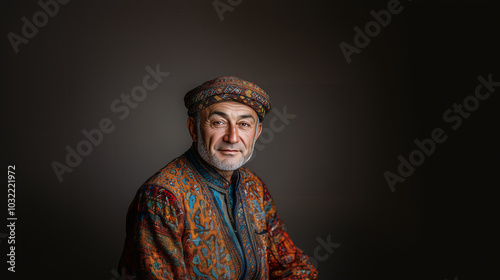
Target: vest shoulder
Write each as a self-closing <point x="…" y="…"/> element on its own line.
<point x="175" y="177"/>
<point x="249" y="175"/>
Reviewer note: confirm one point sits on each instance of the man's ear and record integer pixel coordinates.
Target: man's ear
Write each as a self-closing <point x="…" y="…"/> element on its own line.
<point x="259" y="131"/>
<point x="191" y="124"/>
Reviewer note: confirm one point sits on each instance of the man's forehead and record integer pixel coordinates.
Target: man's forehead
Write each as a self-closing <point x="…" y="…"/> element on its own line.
<point x="230" y="109"/>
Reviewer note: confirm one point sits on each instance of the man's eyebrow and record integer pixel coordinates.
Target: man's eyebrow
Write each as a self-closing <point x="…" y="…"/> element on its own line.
<point x="224" y="115"/>
<point x="246" y="116"/>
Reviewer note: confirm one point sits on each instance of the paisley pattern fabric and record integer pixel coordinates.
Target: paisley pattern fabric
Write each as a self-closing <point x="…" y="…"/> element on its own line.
<point x="181" y="225"/>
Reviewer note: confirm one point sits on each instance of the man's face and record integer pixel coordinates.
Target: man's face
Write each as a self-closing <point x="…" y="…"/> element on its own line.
<point x="226" y="134"/>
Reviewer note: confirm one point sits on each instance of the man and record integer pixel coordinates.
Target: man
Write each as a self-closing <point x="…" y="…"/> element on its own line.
<point x="203" y="216"/>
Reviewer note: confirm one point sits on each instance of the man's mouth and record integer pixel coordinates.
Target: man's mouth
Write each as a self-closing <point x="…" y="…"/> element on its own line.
<point x="229" y="151"/>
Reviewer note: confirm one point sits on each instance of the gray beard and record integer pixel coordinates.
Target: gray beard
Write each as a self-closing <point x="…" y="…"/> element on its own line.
<point x="214" y="161"/>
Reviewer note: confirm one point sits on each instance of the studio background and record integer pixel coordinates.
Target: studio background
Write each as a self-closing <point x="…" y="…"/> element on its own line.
<point x="338" y="127"/>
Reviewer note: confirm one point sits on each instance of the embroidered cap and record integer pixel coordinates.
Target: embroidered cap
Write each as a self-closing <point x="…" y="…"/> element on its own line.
<point x="228" y="88"/>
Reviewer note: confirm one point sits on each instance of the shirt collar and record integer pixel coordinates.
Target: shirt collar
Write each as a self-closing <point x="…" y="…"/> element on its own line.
<point x="214" y="179"/>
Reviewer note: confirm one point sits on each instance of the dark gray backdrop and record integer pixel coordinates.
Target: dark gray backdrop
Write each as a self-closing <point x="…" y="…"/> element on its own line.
<point x="324" y="164"/>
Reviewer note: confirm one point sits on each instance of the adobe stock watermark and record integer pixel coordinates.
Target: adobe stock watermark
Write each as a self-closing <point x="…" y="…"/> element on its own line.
<point x="454" y="117"/>
<point x="327" y="247"/>
<point x="123" y="276"/>
<point x="221" y="7"/>
<point x="277" y="123"/>
<point x="122" y="107"/>
<point x="372" y="29"/>
<point x="30" y="28"/>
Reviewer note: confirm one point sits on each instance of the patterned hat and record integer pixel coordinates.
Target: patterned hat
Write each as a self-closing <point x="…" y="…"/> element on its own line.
<point x="228" y="88"/>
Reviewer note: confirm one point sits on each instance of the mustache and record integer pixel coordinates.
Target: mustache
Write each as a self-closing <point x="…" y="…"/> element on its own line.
<point x="228" y="147"/>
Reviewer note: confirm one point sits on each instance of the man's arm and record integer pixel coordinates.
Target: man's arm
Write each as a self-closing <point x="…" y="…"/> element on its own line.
<point x="153" y="246"/>
<point x="286" y="261"/>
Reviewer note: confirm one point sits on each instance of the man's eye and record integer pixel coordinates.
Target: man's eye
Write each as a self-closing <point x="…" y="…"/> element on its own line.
<point x="245" y="124"/>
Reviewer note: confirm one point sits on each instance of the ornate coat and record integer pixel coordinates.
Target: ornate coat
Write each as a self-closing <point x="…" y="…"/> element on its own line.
<point x="188" y="222"/>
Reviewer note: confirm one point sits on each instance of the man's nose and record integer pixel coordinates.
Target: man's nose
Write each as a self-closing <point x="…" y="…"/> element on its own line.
<point x="231" y="134"/>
